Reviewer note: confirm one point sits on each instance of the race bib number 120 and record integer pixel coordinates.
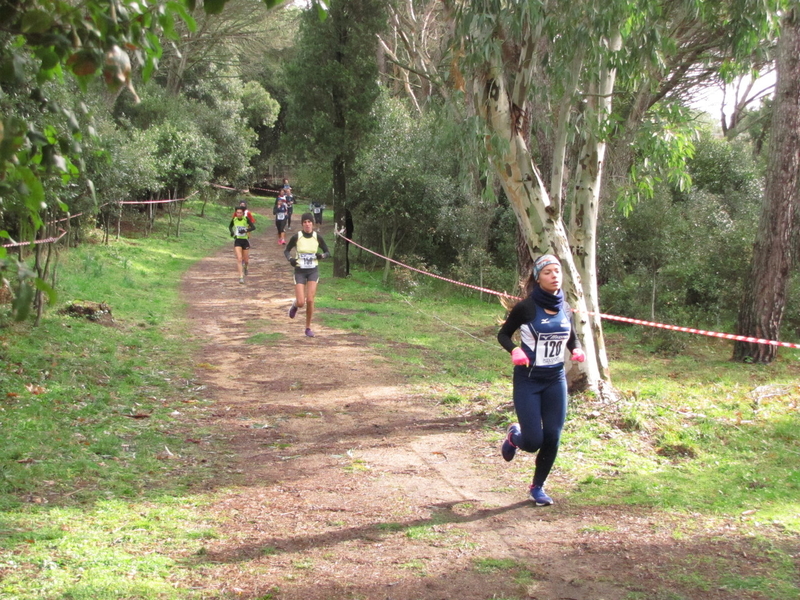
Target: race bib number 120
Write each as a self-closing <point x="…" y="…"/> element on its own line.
<point x="551" y="348"/>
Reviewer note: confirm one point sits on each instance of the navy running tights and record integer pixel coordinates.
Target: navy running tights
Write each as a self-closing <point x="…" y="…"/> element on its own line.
<point x="541" y="407"/>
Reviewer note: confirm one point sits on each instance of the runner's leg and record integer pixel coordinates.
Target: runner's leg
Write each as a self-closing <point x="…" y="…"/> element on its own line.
<point x="311" y="291"/>
<point x="300" y="294"/>
<point x="238" y="250"/>
<point x="554" y="413"/>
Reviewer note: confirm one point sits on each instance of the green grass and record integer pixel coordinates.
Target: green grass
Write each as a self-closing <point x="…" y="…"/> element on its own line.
<point x="692" y="434"/>
<point x="434" y="347"/>
<point x="265" y="339"/>
<point x="97" y="473"/>
<point x="94" y="468"/>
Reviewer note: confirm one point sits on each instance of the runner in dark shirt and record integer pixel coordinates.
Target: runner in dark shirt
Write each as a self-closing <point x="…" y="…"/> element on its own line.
<point x="544" y="321"/>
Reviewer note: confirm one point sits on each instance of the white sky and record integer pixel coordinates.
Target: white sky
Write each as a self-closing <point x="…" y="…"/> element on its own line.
<point x="712" y="99"/>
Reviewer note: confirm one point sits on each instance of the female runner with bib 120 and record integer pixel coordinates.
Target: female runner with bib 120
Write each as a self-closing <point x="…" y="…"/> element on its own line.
<point x="544" y="321"/>
<point x="309" y="247"/>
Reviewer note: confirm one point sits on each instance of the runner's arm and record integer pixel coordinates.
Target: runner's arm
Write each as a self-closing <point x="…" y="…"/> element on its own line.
<point x="573" y="343"/>
<point x="516" y="319"/>
<point x="289" y="246"/>
<point x="322" y="245"/>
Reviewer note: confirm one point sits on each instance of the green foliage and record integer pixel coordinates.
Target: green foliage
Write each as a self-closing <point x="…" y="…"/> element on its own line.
<point x="407" y="201"/>
<point x="42" y="41"/>
<point x="43" y="131"/>
<point x="183" y="157"/>
<point x="259" y="108"/>
<point x="690" y="268"/>
<point x="332" y="82"/>
<point x="121" y="162"/>
<point x="664" y="146"/>
<point x="398" y="194"/>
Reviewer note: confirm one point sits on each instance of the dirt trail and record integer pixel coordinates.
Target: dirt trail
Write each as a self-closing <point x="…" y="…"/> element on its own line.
<point x="341" y="483"/>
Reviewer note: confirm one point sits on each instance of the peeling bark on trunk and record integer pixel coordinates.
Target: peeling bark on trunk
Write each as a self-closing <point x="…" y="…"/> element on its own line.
<point x="541" y="224"/>
<point x="583" y="218"/>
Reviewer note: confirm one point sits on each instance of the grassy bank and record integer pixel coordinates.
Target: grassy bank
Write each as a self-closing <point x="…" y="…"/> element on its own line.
<point x="103" y="481"/>
<point x="711" y="445"/>
<point x="685" y="424"/>
<point x="95" y="464"/>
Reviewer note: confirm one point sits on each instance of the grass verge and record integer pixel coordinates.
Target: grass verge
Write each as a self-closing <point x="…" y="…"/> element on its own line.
<point x="96" y="462"/>
<point x="711" y="445"/>
<point x="98" y="472"/>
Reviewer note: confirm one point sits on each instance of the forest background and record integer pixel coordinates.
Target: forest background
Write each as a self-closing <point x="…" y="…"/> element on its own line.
<point x="377" y="110"/>
<point x="243" y="96"/>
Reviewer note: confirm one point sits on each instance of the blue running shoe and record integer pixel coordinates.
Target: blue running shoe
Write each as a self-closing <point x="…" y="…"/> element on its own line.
<point x="508" y="449"/>
<point x="293" y="310"/>
<point x="309" y="333"/>
<point x="539" y="497"/>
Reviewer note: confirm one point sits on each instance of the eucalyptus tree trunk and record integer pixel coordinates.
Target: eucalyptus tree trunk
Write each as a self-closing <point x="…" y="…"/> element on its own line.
<point x="586" y="207"/>
<point x="764" y="298"/>
<point x="540" y="221"/>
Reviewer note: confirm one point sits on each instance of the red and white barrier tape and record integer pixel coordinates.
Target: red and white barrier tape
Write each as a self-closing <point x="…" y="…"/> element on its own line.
<point x="717" y="334"/>
<point x="726" y="336"/>
<point x="65" y="219"/>
<point x="453" y="281"/>
<point x="167" y="201"/>
<point x="46" y="241"/>
<point x="63" y="233"/>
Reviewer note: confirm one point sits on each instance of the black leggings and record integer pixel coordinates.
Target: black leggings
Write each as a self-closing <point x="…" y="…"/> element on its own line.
<point x="541" y="410"/>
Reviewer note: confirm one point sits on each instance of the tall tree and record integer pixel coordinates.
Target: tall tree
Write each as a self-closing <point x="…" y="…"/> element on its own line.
<point x="544" y="77"/>
<point x="333" y="84"/>
<point x="764" y="296"/>
<point x="230" y="40"/>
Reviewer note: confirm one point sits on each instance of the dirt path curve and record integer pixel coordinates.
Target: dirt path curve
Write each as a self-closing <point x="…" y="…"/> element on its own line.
<point x="341" y="483"/>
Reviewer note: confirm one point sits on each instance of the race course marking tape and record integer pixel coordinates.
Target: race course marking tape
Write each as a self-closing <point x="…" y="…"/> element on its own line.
<point x="716" y="334"/>
<point x="47" y="241"/>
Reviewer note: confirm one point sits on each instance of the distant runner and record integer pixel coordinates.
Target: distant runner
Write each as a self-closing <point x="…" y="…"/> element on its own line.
<point x="281" y="210"/>
<point x="247" y="213"/>
<point x="290" y="205"/>
<point x="309" y="247"/>
<point x="317" y="208"/>
<point x="240" y="228"/>
<point x="544" y="321"/>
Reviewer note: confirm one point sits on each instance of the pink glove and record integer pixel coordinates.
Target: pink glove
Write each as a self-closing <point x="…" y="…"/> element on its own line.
<point x="578" y="355"/>
<point x="518" y="357"/>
